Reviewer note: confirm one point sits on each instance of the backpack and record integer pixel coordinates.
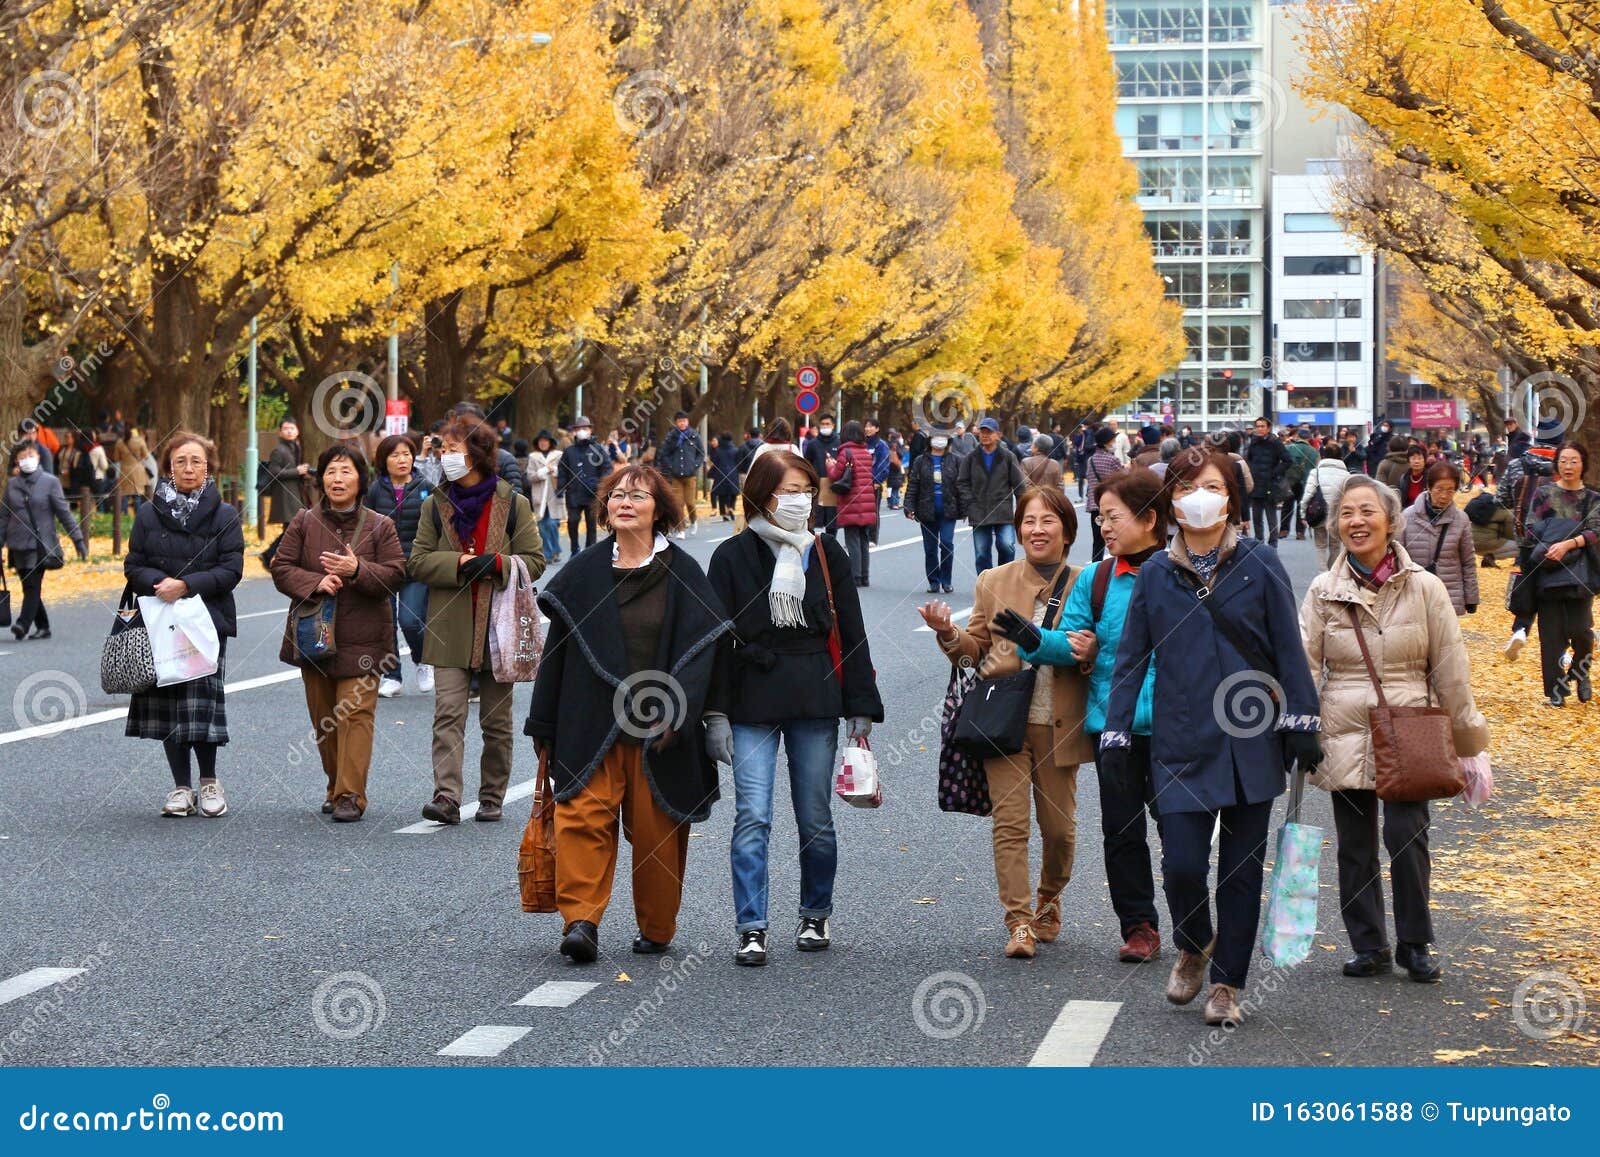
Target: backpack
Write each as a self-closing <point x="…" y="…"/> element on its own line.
<point x="1481" y="510"/>
<point x="1097" y="592"/>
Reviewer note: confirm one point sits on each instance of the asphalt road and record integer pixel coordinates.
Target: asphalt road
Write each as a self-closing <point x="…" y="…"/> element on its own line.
<point x="272" y="936"/>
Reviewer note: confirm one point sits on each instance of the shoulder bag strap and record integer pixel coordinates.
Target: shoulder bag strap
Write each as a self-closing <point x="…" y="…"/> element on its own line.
<point x="1366" y="655"/>
<point x="1102" y="585"/>
<point x="1438" y="547"/>
<point x="835" y="642"/>
<point x="1247" y="650"/>
<point x="1052" y="607"/>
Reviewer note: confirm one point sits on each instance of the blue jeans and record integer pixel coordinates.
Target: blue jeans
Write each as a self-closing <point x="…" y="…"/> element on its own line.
<point x="1001" y="536"/>
<point x="550" y="533"/>
<point x="810" y="745"/>
<point x="410" y="605"/>
<point x="939" y="551"/>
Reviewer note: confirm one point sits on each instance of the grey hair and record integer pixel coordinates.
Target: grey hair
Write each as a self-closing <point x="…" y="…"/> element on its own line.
<point x="1042" y="444"/>
<point x="1170" y="448"/>
<point x="1387" y="497"/>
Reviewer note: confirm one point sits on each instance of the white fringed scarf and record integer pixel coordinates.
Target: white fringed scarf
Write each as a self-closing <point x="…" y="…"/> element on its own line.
<point x="788" y="590"/>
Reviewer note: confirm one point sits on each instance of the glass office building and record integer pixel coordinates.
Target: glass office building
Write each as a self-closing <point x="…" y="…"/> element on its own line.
<point x="1194" y="107"/>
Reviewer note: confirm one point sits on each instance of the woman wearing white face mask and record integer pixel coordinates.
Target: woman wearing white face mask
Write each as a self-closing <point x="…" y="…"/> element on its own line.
<point x="1234" y="707"/>
<point x="782" y="683"/>
<point x="30" y="507"/>
<point x="932" y="502"/>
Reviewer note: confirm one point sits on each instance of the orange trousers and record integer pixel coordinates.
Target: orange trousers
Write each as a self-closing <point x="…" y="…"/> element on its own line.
<point x="587" y="846"/>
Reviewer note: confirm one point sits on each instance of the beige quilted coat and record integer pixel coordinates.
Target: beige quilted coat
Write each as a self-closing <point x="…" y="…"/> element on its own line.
<point x="1411" y="629"/>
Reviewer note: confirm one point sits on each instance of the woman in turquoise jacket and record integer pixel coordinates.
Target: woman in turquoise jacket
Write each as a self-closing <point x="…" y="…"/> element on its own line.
<point x="1134" y="527"/>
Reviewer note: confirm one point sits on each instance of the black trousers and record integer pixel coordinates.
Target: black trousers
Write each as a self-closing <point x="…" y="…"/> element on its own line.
<point x="32" y="613"/>
<point x="1097" y="539"/>
<point x="1405" y="835"/>
<point x="573" y="515"/>
<point x="1562" y="623"/>
<point x="1186" y="865"/>
<point x="1123" y="804"/>
<point x="857" y="540"/>
<point x="1264" y="520"/>
<point x="825" y="519"/>
<point x="1289" y="512"/>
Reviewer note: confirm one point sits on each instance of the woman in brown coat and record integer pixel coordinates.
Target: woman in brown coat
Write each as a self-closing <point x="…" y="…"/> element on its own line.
<point x="1411" y="633"/>
<point x="1008" y="601"/>
<point x="340" y="549"/>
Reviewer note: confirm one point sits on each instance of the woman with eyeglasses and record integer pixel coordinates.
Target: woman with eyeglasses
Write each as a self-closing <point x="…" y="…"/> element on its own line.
<point x="1234" y="706"/>
<point x="617" y="711"/>
<point x="787" y="590"/>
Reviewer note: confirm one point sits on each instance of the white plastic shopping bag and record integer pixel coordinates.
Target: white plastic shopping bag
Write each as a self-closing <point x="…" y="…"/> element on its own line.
<point x="183" y="639"/>
<point x="857" y="783"/>
<point x="1480" y="779"/>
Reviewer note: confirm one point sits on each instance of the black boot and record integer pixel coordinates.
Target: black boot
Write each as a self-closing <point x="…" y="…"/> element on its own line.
<point x="1419" y="962"/>
<point x="1373" y="963"/>
<point x="645" y="946"/>
<point x="581" y="944"/>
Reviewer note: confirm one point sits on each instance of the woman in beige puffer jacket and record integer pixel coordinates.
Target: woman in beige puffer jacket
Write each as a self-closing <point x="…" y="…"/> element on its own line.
<point x="1411" y="631"/>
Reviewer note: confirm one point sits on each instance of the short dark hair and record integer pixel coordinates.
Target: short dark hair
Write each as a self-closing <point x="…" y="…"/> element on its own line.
<point x="483" y="446"/>
<point x="1332" y="449"/>
<point x="380" y="456"/>
<point x="1416" y="448"/>
<point x="1140" y="489"/>
<point x="669" y="507"/>
<point x="852" y="432"/>
<point x="1055" y="499"/>
<point x="1190" y="463"/>
<point x="350" y="454"/>
<point x="872" y="422"/>
<point x="1104" y="436"/>
<point x="183" y="438"/>
<point x="779" y="430"/>
<point x="766" y="473"/>
<point x="1438" y="470"/>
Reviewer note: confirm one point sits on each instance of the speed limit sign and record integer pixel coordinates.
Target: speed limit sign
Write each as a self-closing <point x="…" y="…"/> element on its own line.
<point x="807" y="377"/>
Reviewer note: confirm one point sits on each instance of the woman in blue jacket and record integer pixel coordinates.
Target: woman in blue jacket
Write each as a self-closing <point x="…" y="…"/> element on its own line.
<point x="1234" y="706"/>
<point x="1133" y="521"/>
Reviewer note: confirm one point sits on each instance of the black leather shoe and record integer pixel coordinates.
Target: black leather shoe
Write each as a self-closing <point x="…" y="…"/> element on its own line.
<point x="441" y="809"/>
<point x="327" y="807"/>
<point x="488" y="813"/>
<point x="1419" y="962"/>
<point x="581" y="944"/>
<point x="40" y="633"/>
<point x="645" y="946"/>
<point x="1374" y="963"/>
<point x="1585" y="689"/>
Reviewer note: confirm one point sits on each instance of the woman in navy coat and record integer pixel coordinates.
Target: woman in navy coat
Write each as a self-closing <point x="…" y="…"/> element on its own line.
<point x="1234" y="707"/>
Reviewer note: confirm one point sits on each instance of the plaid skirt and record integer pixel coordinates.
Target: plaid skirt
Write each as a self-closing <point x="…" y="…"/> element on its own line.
<point x="194" y="712"/>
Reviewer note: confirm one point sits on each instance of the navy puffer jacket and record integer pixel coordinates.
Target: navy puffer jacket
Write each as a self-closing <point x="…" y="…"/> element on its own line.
<point x="380" y="498"/>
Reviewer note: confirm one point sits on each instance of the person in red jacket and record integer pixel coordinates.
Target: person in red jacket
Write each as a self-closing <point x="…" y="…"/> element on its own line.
<point x="858" y="510"/>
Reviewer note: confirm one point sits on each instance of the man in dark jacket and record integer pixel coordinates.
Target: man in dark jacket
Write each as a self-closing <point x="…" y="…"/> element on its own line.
<point x="680" y="457"/>
<point x="1378" y="446"/>
<point x="880" y="467"/>
<point x="821" y="447"/>
<point x="1269" y="465"/>
<point x="1518" y="440"/>
<point x="583" y="464"/>
<point x="933" y="502"/>
<point x="988" y="482"/>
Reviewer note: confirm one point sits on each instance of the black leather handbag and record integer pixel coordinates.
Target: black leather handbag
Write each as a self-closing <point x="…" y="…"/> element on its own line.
<point x="994" y="715"/>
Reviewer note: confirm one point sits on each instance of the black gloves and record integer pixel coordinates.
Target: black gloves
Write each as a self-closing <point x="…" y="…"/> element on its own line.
<point x="1113" y="762"/>
<point x="1019" y="630"/>
<point x="479" y="566"/>
<point x="1302" y="748"/>
<point x="1472" y="608"/>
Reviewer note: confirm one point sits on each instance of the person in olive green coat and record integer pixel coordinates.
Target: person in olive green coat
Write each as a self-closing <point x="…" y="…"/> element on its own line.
<point x="467" y="533"/>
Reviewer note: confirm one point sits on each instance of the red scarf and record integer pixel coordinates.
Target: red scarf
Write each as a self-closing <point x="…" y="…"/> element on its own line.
<point x="1380" y="574"/>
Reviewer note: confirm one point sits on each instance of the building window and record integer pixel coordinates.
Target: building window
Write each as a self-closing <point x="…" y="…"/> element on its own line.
<point x="1159" y="74"/>
<point x="1310" y="223"/>
<point x="1174" y="236"/>
<point x="1167" y="179"/>
<point x="1231" y="24"/>
<point x="1315" y="308"/>
<point x="1320" y="266"/>
<point x="1228" y="235"/>
<point x="1229" y="343"/>
<point x="1231" y="180"/>
<point x="1320" y="351"/>
<point x="1322" y="398"/>
<point x="1191" y="340"/>
<point x="1183" y="284"/>
<point x="1153" y="23"/>
<point x="1228" y="287"/>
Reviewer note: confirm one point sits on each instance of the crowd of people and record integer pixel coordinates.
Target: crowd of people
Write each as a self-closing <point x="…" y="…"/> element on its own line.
<point x="429" y="536"/>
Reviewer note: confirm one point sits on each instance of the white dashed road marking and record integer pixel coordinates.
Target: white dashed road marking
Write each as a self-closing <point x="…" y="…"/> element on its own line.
<point x="558" y="993"/>
<point x="485" y="1040"/>
<point x="1076" y="1036"/>
<point x="33" y="980"/>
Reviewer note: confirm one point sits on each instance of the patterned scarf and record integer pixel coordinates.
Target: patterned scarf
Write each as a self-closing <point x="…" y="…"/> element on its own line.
<point x="180" y="506"/>
<point x="1375" y="578"/>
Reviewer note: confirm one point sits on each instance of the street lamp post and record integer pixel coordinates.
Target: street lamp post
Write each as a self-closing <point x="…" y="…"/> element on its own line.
<point x="252" y="452"/>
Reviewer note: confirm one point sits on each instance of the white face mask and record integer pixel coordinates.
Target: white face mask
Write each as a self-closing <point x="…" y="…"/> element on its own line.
<point x="825" y="431"/>
<point x="792" y="511"/>
<point x="581" y="435"/>
<point x="454" y="466"/>
<point x="1202" y="509"/>
<point x="29" y="464"/>
<point x="940" y="443"/>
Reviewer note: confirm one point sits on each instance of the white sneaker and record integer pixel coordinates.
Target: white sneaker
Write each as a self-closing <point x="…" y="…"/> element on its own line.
<point x="681" y="534"/>
<point x="425" y="678"/>
<point x="212" y="802"/>
<point x="389" y="687"/>
<point x="180" y="802"/>
<point x="1514" y="645"/>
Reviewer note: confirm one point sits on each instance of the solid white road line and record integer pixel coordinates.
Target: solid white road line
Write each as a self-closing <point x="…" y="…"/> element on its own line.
<point x="558" y="993"/>
<point x="517" y="791"/>
<point x="955" y="616"/>
<point x="485" y="1040"/>
<point x="33" y="980"/>
<point x="1076" y="1036"/>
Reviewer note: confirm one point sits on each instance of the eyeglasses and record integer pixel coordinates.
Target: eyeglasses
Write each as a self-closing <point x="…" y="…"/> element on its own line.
<point x="634" y="496"/>
<point x="788" y="491"/>
<point x="1111" y="520"/>
<point x="1187" y="487"/>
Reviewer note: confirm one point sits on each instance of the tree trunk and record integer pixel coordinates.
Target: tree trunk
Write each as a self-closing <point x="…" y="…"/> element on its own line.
<point x="444" y="360"/>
